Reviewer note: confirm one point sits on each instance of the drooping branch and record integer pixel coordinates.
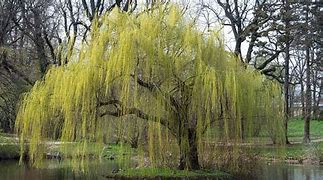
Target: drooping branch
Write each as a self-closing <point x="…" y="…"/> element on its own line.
<point x="110" y="102"/>
<point x="122" y="110"/>
<point x="153" y="87"/>
<point x="148" y="85"/>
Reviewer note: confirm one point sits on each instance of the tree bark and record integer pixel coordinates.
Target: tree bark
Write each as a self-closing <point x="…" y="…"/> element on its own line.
<point x="39" y="42"/>
<point x="189" y="155"/>
<point x="302" y="98"/>
<point x="286" y="67"/>
<point x="308" y="105"/>
<point x="308" y="85"/>
<point x="317" y="104"/>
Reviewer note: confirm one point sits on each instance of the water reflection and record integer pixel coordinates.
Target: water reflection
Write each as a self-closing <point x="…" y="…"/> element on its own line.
<point x="290" y="172"/>
<point x="10" y="170"/>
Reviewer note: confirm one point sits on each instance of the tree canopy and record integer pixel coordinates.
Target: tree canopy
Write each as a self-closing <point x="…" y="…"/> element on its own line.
<point x="157" y="66"/>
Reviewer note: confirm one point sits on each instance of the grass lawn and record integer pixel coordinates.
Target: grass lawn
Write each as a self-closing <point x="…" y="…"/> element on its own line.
<point x="110" y="151"/>
<point x="9" y="147"/>
<point x="297" y="151"/>
<point x="8" y="138"/>
<point x="296" y="128"/>
<point x="166" y="173"/>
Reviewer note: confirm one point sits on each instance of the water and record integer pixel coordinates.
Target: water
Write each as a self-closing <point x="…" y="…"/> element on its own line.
<point x="11" y="170"/>
<point x="290" y="172"/>
<point x="54" y="170"/>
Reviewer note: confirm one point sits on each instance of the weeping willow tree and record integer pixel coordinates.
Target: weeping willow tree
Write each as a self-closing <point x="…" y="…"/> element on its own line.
<point x="157" y="67"/>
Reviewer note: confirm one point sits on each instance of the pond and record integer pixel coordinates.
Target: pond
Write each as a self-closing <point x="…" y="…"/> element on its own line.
<point x="290" y="172"/>
<point x="54" y="169"/>
<point x="11" y="170"/>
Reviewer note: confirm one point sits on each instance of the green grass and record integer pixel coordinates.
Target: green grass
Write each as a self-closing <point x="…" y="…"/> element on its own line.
<point x="8" y="138"/>
<point x="296" y="152"/>
<point x="110" y="151"/>
<point x="9" y="147"/>
<point x="9" y="151"/>
<point x="296" y="128"/>
<point x="170" y="173"/>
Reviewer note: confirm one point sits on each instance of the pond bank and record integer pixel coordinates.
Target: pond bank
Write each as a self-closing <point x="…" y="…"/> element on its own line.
<point x="9" y="151"/>
<point x="291" y="154"/>
<point x="9" y="147"/>
<point x="290" y="157"/>
<point x="306" y="154"/>
<point x="165" y="173"/>
<point x="11" y="170"/>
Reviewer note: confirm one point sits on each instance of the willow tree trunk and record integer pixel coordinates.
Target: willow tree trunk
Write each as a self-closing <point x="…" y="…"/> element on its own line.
<point x="187" y="140"/>
<point x="189" y="154"/>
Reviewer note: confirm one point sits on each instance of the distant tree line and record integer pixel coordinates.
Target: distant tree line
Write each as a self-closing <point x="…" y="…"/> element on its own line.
<point x="37" y="34"/>
<point x="282" y="39"/>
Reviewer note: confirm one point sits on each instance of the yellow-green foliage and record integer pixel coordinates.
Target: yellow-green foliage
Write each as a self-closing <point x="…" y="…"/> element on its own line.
<point x="217" y="95"/>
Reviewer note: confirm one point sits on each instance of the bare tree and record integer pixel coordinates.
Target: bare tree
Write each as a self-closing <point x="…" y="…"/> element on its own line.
<point x="251" y="22"/>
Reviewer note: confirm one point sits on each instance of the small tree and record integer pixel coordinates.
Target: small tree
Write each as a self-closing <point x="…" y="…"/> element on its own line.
<point x="158" y="67"/>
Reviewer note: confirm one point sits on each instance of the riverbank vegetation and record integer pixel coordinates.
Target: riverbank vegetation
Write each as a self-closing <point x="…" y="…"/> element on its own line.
<point x="296" y="151"/>
<point x="163" y="173"/>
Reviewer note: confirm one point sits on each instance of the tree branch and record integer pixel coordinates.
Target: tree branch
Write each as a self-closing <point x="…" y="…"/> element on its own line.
<point x="86" y="9"/>
<point x="148" y="85"/>
<point x="275" y="77"/>
<point x="153" y="87"/>
<point x="269" y="60"/>
<point x="122" y="110"/>
<point x="10" y="68"/>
